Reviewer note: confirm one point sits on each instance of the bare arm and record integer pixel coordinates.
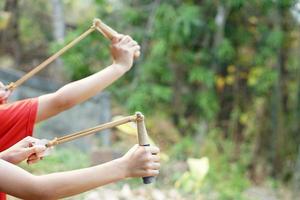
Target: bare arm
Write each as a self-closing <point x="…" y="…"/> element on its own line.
<point x="123" y="50"/>
<point x="76" y="92"/>
<point x="57" y="185"/>
<point x="138" y="162"/>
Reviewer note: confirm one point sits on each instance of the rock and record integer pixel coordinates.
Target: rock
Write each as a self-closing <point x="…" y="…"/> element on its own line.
<point x="126" y="193"/>
<point x="92" y="196"/>
<point x="260" y="193"/>
<point x="158" y="195"/>
<point x="173" y="194"/>
<point x="108" y="194"/>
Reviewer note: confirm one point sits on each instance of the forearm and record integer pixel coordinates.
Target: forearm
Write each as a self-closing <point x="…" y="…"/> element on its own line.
<point x="79" y="91"/>
<point x="17" y="182"/>
<point x="123" y="50"/>
<point x="3" y="156"/>
<point x="57" y="185"/>
<point x="66" y="184"/>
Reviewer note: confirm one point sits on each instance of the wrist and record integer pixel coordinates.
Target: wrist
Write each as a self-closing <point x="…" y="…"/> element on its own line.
<point x="124" y="169"/>
<point x="3" y="156"/>
<point x="119" y="68"/>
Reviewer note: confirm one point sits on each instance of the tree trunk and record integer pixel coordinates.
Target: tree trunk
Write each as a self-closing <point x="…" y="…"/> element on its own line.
<point x="220" y="21"/>
<point x="58" y="35"/>
<point x="145" y="43"/>
<point x="177" y="97"/>
<point x="278" y="131"/>
<point x="58" y="20"/>
<point x="105" y="116"/>
<point x="10" y="39"/>
<point x="296" y="177"/>
<point x="226" y="107"/>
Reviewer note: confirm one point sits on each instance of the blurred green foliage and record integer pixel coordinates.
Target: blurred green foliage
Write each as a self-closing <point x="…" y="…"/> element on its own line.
<point x="224" y="71"/>
<point x="209" y="62"/>
<point x="61" y="159"/>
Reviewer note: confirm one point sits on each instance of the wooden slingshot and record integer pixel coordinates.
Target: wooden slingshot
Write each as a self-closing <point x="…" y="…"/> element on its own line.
<point x="141" y="130"/>
<point x="98" y="25"/>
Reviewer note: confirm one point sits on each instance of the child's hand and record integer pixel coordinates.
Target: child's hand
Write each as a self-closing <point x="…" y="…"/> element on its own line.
<point x="24" y="150"/>
<point x="123" y="50"/>
<point x="4" y="94"/>
<point x="140" y="161"/>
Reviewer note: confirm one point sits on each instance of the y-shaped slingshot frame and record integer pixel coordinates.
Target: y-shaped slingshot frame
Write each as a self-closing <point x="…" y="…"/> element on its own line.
<point x="109" y="33"/>
<point x="141" y="130"/>
<point x="98" y="25"/>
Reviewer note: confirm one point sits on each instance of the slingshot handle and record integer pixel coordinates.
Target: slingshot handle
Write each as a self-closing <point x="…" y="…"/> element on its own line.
<point x="143" y="140"/>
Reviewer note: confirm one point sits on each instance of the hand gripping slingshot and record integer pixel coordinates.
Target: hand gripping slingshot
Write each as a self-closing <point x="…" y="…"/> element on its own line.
<point x="109" y="33"/>
<point x="141" y="130"/>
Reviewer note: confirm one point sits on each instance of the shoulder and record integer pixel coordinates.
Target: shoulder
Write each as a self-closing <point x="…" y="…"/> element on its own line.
<point x="18" y="106"/>
<point x="21" y="103"/>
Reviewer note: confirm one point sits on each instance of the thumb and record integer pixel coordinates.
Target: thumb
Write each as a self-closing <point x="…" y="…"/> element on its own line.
<point x="133" y="149"/>
<point x="35" y="149"/>
<point x="117" y="38"/>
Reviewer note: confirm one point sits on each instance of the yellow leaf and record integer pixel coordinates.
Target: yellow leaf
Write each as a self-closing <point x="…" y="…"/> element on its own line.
<point x="131" y="129"/>
<point x="198" y="167"/>
<point x="244" y="118"/>
<point x="4" y="19"/>
<point x="231" y="69"/>
<point x="230" y="80"/>
<point x="253" y="20"/>
<point x="220" y="82"/>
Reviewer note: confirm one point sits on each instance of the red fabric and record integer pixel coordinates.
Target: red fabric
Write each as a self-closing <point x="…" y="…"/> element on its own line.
<point x="2" y="196"/>
<point x="16" y="122"/>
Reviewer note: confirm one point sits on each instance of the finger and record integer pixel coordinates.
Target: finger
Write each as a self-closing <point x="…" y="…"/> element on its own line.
<point x="133" y="149"/>
<point x="2" y="86"/>
<point x="151" y="172"/>
<point x="7" y="94"/>
<point x="135" y="48"/>
<point x="33" y="157"/>
<point x="3" y="95"/>
<point x="35" y="149"/>
<point x="156" y="166"/>
<point x="132" y="43"/>
<point x="114" y="40"/>
<point x="117" y="38"/>
<point x="155" y="158"/>
<point x="40" y="149"/>
<point x="137" y="54"/>
<point x="32" y="161"/>
<point x="152" y="166"/>
<point x="153" y="149"/>
<point x="31" y="139"/>
<point x="125" y="40"/>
